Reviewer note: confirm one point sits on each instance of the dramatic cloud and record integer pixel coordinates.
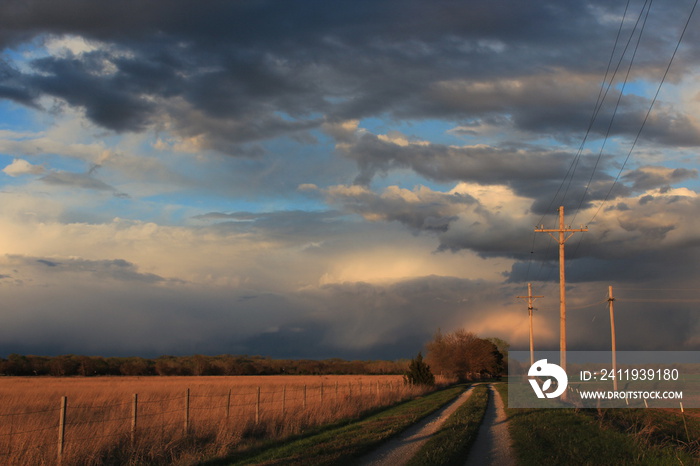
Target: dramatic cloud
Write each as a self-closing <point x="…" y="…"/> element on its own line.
<point x="421" y="209"/>
<point x="311" y="179"/>
<point x="648" y="177"/>
<point x="231" y="74"/>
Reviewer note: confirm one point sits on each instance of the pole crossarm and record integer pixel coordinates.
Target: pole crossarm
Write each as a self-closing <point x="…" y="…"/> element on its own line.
<point x="529" y="305"/>
<point x="566" y="230"/>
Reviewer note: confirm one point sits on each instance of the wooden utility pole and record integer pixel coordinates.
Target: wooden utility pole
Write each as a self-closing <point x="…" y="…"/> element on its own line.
<point x="529" y="311"/>
<point x="612" y="333"/>
<point x="561" y="239"/>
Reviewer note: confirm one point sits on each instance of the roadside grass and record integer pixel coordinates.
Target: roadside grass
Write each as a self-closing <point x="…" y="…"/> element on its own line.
<point x="450" y="445"/>
<point x="654" y="427"/>
<point x="570" y="436"/>
<point x="342" y="444"/>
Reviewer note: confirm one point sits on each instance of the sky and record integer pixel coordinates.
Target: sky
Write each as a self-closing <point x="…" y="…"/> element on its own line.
<point x="317" y="179"/>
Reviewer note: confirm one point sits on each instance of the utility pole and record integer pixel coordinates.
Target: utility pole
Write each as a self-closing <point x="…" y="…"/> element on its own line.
<point x="529" y="311"/>
<point x="612" y="333"/>
<point x="561" y="239"/>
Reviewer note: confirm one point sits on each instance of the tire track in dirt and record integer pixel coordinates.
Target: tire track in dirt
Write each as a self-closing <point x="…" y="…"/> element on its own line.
<point x="399" y="450"/>
<point x="492" y="445"/>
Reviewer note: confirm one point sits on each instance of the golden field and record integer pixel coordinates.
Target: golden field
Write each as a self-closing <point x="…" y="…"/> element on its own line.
<point x="220" y="415"/>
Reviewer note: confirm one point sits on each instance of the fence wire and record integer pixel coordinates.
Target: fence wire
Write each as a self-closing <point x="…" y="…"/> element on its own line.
<point x="24" y="434"/>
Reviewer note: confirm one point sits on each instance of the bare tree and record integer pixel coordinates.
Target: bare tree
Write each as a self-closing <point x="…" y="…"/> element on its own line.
<point x="463" y="355"/>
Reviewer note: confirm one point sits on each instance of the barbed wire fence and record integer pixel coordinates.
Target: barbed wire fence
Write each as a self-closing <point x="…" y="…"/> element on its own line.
<point x="69" y="432"/>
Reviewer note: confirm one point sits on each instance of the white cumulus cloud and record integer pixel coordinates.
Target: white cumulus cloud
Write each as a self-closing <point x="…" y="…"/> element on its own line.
<point x="20" y="167"/>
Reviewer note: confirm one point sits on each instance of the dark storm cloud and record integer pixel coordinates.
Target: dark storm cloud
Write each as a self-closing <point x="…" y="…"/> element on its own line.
<point x="652" y="242"/>
<point x="370" y="315"/>
<point x="649" y="177"/>
<point x="108" y="101"/>
<point x="421" y="210"/>
<point x="438" y="162"/>
<point x="530" y="171"/>
<point x="561" y="104"/>
<point x="237" y="72"/>
<point x="510" y="75"/>
<point x="12" y="87"/>
<point x="108" y="307"/>
<point x="659" y="223"/>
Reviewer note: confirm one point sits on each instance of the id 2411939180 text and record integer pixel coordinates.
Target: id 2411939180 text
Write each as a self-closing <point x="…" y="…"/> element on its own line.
<point x="631" y="375"/>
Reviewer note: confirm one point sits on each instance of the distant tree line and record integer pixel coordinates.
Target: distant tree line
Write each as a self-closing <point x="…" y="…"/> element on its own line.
<point x="88" y="366"/>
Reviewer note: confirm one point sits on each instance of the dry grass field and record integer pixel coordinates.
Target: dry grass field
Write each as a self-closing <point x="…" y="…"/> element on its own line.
<point x="173" y="420"/>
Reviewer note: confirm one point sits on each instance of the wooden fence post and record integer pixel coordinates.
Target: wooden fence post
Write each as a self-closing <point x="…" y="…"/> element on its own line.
<point x="134" y="417"/>
<point x="62" y="427"/>
<point x="257" y="407"/>
<point x="187" y="412"/>
<point x="304" y="396"/>
<point x="284" y="399"/>
<point x="321" y="392"/>
<point x="228" y="404"/>
<point x="336" y="391"/>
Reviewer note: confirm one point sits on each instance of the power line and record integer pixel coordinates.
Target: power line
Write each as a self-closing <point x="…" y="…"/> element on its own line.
<point x="656" y="289"/>
<point x="582" y="306"/>
<point x="596" y="109"/>
<point x="604" y="85"/>
<point x="619" y="97"/>
<point x="658" y="300"/>
<point x="646" y="117"/>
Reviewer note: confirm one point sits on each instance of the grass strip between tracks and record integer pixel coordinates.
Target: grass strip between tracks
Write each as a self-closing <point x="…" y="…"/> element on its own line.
<point x="346" y="443"/>
<point x="450" y="445"/>
<point x="569" y="436"/>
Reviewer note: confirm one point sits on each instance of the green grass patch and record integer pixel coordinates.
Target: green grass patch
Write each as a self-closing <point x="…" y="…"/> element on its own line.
<point x="451" y="444"/>
<point x="654" y="427"/>
<point x="343" y="444"/>
<point x="569" y="436"/>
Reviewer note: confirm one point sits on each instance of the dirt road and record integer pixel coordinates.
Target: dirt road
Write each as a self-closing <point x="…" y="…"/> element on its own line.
<point x="493" y="444"/>
<point x="401" y="449"/>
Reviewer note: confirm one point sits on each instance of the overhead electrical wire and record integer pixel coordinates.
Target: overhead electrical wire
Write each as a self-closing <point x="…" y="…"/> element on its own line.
<point x="647" y="7"/>
<point x="602" y="93"/>
<point x="646" y="117"/>
<point x="624" y="288"/>
<point x="657" y="300"/>
<point x="617" y="103"/>
<point x="601" y="99"/>
<point x="599" y="103"/>
<point x="582" y="306"/>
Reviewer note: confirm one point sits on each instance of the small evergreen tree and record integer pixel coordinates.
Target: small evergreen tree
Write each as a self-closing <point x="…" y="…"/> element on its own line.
<point x="419" y="372"/>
